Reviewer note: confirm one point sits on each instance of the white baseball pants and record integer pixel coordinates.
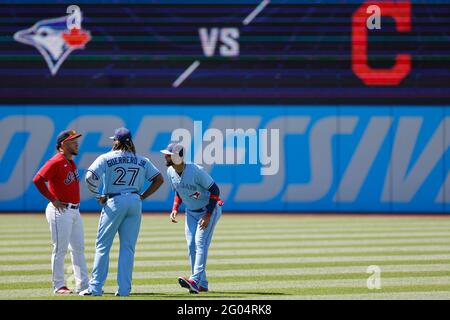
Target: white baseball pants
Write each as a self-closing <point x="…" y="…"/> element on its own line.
<point x="66" y="227"/>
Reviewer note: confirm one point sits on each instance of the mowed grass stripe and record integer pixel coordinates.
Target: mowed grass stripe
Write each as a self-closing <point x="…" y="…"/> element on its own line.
<point x="262" y="275"/>
<point x="296" y="249"/>
<point x="337" y="293"/>
<point x="181" y="250"/>
<point x="354" y="283"/>
<point x="278" y="238"/>
<point x="419" y="293"/>
<point x="162" y="217"/>
<point x="12" y="246"/>
<point x="45" y="275"/>
<point x="254" y="222"/>
<point x="261" y="235"/>
<point x="281" y="287"/>
<point x="33" y="271"/>
<point x="90" y="226"/>
<point x="371" y="259"/>
<point x="239" y="254"/>
<point x="38" y="269"/>
<point x="228" y="223"/>
<point x="6" y="234"/>
<point x="237" y="279"/>
<point x="163" y="259"/>
<point x="292" y="231"/>
<point x="411" y="295"/>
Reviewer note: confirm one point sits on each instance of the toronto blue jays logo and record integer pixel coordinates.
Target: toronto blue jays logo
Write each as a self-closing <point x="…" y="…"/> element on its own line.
<point x="195" y="195"/>
<point x="56" y="38"/>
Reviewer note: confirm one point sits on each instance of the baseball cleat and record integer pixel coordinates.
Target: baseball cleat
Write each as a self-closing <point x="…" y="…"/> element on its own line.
<point x="77" y="291"/>
<point x="86" y="292"/>
<point x="63" y="290"/>
<point x="188" y="284"/>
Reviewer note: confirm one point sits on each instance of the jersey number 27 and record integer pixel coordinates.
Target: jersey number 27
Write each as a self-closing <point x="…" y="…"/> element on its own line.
<point x="126" y="179"/>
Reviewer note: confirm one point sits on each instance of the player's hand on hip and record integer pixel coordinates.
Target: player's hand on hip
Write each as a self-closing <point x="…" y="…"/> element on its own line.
<point x="173" y="216"/>
<point x="204" y="221"/>
<point x="59" y="205"/>
<point x="102" y="200"/>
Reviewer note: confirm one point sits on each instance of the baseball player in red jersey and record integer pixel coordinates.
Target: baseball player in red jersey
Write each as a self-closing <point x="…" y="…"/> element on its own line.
<point x="63" y="215"/>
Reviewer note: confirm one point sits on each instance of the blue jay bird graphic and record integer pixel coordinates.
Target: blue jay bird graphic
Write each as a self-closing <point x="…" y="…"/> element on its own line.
<point x="53" y="40"/>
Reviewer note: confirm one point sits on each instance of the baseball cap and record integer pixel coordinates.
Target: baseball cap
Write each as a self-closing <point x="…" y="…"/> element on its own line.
<point x="173" y="148"/>
<point x="66" y="135"/>
<point x="122" y="134"/>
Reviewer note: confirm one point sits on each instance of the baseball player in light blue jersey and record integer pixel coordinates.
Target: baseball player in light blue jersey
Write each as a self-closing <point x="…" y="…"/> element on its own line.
<point x="200" y="194"/>
<point x="122" y="173"/>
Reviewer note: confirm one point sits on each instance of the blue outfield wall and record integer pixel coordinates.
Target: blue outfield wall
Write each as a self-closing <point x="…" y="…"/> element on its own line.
<point x="324" y="159"/>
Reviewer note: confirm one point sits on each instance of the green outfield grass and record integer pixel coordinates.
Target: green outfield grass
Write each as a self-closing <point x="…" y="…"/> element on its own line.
<point x="251" y="257"/>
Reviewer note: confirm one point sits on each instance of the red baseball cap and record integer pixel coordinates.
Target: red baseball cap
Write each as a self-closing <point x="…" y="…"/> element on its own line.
<point x="66" y="135"/>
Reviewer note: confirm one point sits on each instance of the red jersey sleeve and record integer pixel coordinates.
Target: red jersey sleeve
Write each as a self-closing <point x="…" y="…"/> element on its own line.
<point x="48" y="170"/>
<point x="42" y="187"/>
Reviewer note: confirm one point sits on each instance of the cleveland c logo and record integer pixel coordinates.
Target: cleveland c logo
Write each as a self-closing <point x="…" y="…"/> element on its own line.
<point x="71" y="176"/>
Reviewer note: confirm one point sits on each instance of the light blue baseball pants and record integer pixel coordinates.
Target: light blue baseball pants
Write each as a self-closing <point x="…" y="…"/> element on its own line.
<point x="198" y="242"/>
<point x="122" y="214"/>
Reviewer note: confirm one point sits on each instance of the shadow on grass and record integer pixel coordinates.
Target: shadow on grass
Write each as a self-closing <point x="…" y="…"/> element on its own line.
<point x="251" y="293"/>
<point x="210" y="295"/>
<point x="217" y="295"/>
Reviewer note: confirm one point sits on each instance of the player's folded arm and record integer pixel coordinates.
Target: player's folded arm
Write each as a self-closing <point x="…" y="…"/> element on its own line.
<point x="93" y="182"/>
<point x="39" y="182"/>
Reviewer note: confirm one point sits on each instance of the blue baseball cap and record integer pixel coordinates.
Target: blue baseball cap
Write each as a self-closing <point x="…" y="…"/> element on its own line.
<point x="122" y="134"/>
